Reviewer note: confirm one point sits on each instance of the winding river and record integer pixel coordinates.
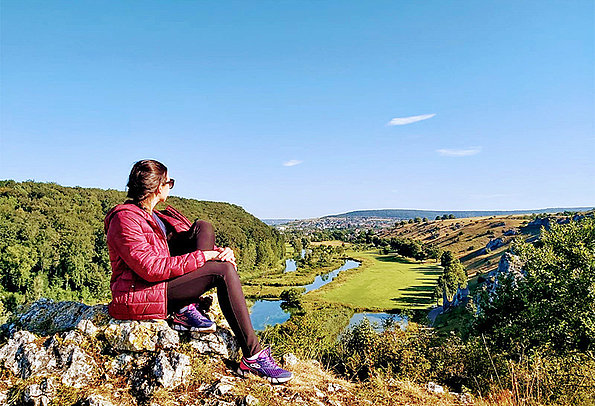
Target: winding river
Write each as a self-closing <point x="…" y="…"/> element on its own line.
<point x="269" y="312"/>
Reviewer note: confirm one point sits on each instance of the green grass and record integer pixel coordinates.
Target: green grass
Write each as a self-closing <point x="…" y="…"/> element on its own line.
<point x="382" y="283"/>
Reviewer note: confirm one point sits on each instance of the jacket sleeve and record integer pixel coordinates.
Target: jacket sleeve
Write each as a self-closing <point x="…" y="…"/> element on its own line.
<point x="126" y="237"/>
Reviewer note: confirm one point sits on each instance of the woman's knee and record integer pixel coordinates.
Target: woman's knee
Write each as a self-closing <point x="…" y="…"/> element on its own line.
<point x="204" y="226"/>
<point x="228" y="270"/>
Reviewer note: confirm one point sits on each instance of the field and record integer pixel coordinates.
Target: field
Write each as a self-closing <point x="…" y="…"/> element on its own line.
<point x="382" y="283"/>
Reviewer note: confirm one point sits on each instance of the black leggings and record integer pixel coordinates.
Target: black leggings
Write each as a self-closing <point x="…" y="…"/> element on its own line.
<point x="187" y="288"/>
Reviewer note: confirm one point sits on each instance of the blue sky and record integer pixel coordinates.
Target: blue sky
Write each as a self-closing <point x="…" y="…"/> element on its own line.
<point x="285" y="107"/>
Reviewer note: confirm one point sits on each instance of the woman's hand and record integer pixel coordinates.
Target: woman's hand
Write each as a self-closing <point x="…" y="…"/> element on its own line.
<point x="221" y="254"/>
<point x="226" y="254"/>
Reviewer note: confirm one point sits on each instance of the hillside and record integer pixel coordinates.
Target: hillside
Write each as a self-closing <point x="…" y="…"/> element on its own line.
<point x="52" y="241"/>
<point x="468" y="237"/>
<point x="405" y="214"/>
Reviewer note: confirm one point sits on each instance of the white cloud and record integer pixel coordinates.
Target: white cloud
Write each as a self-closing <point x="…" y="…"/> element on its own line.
<point x="292" y="162"/>
<point x="459" y="152"/>
<point x="409" y="120"/>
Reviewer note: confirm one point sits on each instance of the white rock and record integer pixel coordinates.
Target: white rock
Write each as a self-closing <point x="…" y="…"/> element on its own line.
<point x="121" y="364"/>
<point x="39" y="394"/>
<point x="221" y="388"/>
<point x="250" y="400"/>
<point x="333" y="387"/>
<point x="172" y="369"/>
<point x="47" y="317"/>
<point x="435" y="388"/>
<point x="8" y="352"/>
<point x="132" y="335"/>
<point x="80" y="369"/>
<point x="221" y="342"/>
<point x="87" y="327"/>
<point x="289" y="360"/>
<point x="96" y="400"/>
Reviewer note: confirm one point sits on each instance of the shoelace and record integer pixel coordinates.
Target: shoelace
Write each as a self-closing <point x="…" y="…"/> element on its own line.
<point x="196" y="316"/>
<point x="269" y="362"/>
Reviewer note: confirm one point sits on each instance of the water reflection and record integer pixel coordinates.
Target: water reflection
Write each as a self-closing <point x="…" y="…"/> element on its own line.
<point x="322" y="280"/>
<point x="269" y="312"/>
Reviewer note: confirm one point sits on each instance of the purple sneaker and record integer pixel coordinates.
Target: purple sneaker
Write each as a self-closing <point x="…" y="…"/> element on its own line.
<point x="192" y="319"/>
<point x="265" y="366"/>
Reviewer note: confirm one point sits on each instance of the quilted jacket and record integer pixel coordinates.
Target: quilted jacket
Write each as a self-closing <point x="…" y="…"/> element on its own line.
<point x="141" y="262"/>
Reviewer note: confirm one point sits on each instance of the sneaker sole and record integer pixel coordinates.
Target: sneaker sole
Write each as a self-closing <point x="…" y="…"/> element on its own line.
<point x="244" y="374"/>
<point x="179" y="327"/>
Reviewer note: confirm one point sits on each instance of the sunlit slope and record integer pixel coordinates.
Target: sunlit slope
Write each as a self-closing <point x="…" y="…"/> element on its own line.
<point x="467" y="237"/>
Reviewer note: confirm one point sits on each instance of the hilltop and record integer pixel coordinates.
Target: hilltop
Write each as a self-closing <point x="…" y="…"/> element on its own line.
<point x="405" y="214"/>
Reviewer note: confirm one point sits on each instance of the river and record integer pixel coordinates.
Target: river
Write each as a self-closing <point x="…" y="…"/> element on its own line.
<point x="269" y="312"/>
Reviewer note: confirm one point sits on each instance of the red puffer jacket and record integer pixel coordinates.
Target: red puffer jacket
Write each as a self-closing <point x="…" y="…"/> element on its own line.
<point x="141" y="263"/>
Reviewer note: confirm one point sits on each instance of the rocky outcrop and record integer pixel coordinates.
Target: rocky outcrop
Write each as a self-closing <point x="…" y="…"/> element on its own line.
<point x="492" y="245"/>
<point x="55" y="345"/>
<point x="540" y="222"/>
<point x="509" y="267"/>
<point x="46" y="317"/>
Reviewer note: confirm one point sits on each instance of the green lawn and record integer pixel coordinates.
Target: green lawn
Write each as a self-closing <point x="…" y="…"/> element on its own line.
<point x="382" y="283"/>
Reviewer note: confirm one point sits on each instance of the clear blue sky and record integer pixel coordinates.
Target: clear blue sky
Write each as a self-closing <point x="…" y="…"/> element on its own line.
<point x="283" y="107"/>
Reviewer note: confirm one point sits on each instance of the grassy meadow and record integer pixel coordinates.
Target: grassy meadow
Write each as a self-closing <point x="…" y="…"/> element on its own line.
<point x="382" y="283"/>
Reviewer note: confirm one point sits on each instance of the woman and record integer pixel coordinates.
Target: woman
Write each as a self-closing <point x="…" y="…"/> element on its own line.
<point x="162" y="263"/>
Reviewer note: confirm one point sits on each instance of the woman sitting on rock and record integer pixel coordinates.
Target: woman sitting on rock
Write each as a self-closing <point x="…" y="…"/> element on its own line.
<point x="162" y="263"/>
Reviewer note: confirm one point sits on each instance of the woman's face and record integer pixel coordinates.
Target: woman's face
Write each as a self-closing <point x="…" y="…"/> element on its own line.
<point x="164" y="189"/>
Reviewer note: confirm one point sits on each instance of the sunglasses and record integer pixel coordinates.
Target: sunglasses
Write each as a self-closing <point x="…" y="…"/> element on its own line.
<point x="171" y="183"/>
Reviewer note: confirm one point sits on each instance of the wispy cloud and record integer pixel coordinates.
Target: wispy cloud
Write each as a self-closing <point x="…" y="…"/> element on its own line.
<point x="409" y="120"/>
<point x="459" y="152"/>
<point x="292" y="162"/>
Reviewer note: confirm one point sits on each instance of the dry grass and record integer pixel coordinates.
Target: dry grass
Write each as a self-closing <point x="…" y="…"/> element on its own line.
<point x="466" y="237"/>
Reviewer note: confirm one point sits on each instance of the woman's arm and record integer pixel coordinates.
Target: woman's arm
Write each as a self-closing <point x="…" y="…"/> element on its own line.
<point x="126" y="237"/>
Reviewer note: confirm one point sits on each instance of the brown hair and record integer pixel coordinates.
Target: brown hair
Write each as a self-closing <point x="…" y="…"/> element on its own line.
<point x="145" y="178"/>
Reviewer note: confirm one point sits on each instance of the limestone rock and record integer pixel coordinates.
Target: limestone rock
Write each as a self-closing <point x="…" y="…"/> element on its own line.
<point x="289" y="360"/>
<point x="171" y="369"/>
<point x="87" y="327"/>
<point x="25" y="358"/>
<point x="133" y="335"/>
<point x="22" y="355"/>
<point x="12" y="351"/>
<point x="435" y="388"/>
<point x="39" y="394"/>
<point x="221" y="342"/>
<point x="80" y="369"/>
<point x="249" y="400"/>
<point x="46" y="317"/>
<point x="494" y="244"/>
<point x="122" y="364"/>
<point x="96" y="400"/>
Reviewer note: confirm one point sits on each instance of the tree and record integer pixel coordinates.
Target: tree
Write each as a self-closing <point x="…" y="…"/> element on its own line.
<point x="553" y="305"/>
<point x="453" y="275"/>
